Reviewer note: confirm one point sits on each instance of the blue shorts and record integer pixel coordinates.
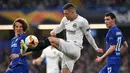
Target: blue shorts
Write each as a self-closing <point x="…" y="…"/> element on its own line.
<point x="111" y="68"/>
<point x="18" y="69"/>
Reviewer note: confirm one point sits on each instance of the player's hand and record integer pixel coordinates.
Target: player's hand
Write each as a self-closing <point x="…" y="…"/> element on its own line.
<point x="13" y="56"/>
<point x="7" y="69"/>
<point x="100" y="50"/>
<point x="98" y="59"/>
<point x="34" y="62"/>
<point x="53" y="34"/>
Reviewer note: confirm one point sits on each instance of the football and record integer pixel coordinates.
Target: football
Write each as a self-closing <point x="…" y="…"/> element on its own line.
<point x="31" y="41"/>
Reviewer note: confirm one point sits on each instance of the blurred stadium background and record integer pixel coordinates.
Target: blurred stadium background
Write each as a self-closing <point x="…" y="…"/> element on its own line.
<point x="48" y="13"/>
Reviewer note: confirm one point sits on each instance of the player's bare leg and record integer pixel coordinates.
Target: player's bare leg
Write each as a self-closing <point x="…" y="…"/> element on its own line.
<point x="54" y="42"/>
<point x="65" y="70"/>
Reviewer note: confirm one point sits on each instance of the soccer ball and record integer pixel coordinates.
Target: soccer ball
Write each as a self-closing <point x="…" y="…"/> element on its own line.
<point x="31" y="41"/>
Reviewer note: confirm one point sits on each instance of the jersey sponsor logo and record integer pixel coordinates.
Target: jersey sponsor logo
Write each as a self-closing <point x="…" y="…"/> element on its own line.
<point x="118" y="33"/>
<point x="14" y="45"/>
<point x="71" y="32"/>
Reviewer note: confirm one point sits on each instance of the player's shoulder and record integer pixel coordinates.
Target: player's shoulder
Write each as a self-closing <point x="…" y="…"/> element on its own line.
<point x="13" y="38"/>
<point x="23" y="37"/>
<point x="47" y="48"/>
<point x="56" y="50"/>
<point x="82" y="19"/>
<point x="115" y="29"/>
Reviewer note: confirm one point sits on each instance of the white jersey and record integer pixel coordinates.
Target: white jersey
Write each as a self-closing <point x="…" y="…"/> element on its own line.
<point x="53" y="56"/>
<point x="75" y="30"/>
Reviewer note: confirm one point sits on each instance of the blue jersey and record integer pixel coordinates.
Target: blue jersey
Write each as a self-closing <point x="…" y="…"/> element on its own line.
<point x="15" y="49"/>
<point x="114" y="37"/>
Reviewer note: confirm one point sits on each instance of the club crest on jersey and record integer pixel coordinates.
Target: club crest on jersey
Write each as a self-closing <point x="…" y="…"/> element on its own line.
<point x="74" y="25"/>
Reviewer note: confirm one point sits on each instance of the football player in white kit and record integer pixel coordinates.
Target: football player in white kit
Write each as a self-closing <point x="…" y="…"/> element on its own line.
<point x="53" y="57"/>
<point x="76" y="27"/>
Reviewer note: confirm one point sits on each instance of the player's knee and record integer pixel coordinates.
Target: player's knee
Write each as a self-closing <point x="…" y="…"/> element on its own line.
<point x="52" y="39"/>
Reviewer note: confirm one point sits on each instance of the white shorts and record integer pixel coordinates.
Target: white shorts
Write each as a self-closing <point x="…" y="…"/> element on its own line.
<point x="53" y="70"/>
<point x="71" y="52"/>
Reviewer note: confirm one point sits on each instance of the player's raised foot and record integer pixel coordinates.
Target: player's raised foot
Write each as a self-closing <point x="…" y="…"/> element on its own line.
<point x="23" y="47"/>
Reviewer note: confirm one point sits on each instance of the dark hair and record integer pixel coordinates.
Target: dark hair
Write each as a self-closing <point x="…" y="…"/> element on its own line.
<point x="69" y="6"/>
<point x="112" y="15"/>
<point x="23" y="22"/>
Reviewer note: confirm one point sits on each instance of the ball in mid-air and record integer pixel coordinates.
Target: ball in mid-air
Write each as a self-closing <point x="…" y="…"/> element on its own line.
<point x="31" y="41"/>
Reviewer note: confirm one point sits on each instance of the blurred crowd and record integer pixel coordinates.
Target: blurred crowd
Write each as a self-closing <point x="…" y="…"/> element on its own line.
<point x="105" y="3"/>
<point x="55" y="3"/>
<point x="16" y="4"/>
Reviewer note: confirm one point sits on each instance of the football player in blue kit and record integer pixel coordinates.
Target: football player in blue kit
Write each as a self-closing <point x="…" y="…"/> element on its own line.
<point x="18" y="63"/>
<point x="115" y="42"/>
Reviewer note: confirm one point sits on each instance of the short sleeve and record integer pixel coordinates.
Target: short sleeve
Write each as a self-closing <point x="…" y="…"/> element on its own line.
<point x="123" y="39"/>
<point x="112" y="40"/>
<point x="23" y="37"/>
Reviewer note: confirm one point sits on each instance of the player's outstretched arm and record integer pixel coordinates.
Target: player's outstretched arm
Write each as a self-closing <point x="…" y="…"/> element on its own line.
<point x="124" y="48"/>
<point x="108" y="52"/>
<point x="93" y="43"/>
<point x="86" y="30"/>
<point x="26" y="54"/>
<point x="41" y="45"/>
<point x="9" y="67"/>
<point x="38" y="61"/>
